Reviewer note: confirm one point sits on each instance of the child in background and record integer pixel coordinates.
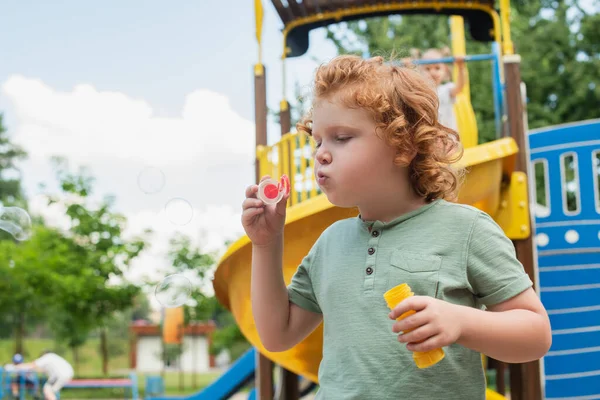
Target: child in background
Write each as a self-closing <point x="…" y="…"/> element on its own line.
<point x="58" y="370"/>
<point x="17" y="376"/>
<point x="381" y="148"/>
<point x="446" y="89"/>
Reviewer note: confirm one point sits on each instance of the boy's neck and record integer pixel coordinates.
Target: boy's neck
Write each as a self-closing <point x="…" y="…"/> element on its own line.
<point x="388" y="208"/>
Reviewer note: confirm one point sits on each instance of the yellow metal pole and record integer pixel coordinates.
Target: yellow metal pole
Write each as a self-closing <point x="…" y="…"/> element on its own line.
<point x="287" y="164"/>
<point x="304" y="192"/>
<point x="258" y="14"/>
<point x="459" y="48"/>
<point x="313" y="183"/>
<point x="507" y="44"/>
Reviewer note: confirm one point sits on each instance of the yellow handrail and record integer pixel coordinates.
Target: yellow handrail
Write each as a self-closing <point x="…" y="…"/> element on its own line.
<point x="292" y="156"/>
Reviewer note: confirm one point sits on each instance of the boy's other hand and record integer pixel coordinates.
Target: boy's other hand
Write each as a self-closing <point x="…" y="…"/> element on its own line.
<point x="434" y="324"/>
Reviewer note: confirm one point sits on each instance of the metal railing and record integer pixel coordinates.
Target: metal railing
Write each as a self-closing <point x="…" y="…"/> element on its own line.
<point x="292" y="156"/>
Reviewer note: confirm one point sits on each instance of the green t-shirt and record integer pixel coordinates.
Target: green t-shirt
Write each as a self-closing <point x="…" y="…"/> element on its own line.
<point x="449" y="251"/>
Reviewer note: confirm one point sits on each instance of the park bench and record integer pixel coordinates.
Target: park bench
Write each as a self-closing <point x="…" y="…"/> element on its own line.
<point x="125" y="383"/>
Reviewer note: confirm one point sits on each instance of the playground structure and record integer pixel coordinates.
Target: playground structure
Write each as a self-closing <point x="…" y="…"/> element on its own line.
<point x="497" y="181"/>
<point x="566" y="160"/>
<point x="565" y="258"/>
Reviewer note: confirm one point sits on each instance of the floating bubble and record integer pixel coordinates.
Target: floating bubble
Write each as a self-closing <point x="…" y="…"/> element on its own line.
<point x="151" y="180"/>
<point x="174" y="291"/>
<point x="15" y="221"/>
<point x="179" y="211"/>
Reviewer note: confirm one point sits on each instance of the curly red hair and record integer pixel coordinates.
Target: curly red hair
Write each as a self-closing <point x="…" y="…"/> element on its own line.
<point x="404" y="106"/>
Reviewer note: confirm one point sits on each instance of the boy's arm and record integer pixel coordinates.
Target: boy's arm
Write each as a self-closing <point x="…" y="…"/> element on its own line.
<point x="516" y="328"/>
<point x="460" y="79"/>
<point x="514" y="331"/>
<point x="280" y="323"/>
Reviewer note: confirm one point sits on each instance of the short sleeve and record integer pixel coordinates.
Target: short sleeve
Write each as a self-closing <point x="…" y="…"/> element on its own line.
<point x="493" y="270"/>
<point x="300" y="290"/>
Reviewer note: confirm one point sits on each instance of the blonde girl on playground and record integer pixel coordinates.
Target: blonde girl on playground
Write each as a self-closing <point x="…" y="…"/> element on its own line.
<point x="446" y="89"/>
<point x="380" y="148"/>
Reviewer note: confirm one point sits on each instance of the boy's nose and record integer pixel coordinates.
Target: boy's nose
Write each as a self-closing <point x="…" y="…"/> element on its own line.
<point x="323" y="156"/>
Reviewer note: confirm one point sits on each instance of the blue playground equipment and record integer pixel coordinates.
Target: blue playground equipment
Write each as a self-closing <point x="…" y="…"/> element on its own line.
<point x="240" y="374"/>
<point x="29" y="383"/>
<point x="236" y="377"/>
<point x="565" y="159"/>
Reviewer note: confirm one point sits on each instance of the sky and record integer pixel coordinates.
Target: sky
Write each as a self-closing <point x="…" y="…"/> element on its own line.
<point x="147" y="95"/>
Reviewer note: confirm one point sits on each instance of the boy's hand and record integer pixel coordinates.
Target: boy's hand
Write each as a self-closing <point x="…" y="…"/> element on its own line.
<point x="263" y="222"/>
<point x="434" y="324"/>
<point x="459" y="61"/>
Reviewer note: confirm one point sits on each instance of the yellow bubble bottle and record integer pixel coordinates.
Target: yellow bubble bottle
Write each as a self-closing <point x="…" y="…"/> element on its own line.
<point x="393" y="297"/>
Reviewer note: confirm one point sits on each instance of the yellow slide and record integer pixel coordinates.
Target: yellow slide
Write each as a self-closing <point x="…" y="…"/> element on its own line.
<point x="491" y="185"/>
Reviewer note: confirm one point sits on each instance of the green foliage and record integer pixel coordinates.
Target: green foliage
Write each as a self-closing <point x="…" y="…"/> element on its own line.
<point x="73" y="279"/>
<point x="172" y="353"/>
<point x="86" y="298"/>
<point x="10" y="154"/>
<point x="186" y="257"/>
<point x="229" y="337"/>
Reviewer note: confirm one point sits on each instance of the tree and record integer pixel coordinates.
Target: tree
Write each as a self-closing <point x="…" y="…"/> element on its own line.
<point x="187" y="257"/>
<point x="10" y="179"/>
<point x="89" y="294"/>
<point x="141" y="308"/>
<point x="32" y="276"/>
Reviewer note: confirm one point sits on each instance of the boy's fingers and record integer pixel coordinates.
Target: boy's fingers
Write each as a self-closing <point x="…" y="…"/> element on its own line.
<point x="282" y="204"/>
<point x="433" y="342"/>
<point x="251" y="213"/>
<point x="418" y="335"/>
<point x="252" y="202"/>
<point x="411" y="322"/>
<point x="251" y="191"/>
<point x="416" y="303"/>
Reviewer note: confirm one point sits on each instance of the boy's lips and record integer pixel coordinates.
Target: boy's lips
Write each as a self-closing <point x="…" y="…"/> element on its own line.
<point x="321" y="178"/>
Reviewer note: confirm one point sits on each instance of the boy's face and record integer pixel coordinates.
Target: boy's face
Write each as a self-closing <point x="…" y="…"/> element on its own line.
<point x="352" y="164"/>
<point x="437" y="72"/>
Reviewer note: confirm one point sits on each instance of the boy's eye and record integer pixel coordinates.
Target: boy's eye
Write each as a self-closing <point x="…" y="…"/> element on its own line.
<point x="342" y="138"/>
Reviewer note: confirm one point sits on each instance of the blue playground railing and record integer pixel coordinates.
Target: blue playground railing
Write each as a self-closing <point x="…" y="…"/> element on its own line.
<point x="28" y="383"/>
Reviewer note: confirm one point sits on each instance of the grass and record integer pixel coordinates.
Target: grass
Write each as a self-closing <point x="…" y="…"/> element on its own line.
<point x="90" y="366"/>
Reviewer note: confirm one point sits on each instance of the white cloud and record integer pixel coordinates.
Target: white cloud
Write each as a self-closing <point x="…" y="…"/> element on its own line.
<point x="90" y="125"/>
<point x="206" y="156"/>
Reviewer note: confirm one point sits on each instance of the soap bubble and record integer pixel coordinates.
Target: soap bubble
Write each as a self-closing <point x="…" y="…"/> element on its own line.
<point x="151" y="180"/>
<point x="15" y="221"/>
<point x="174" y="291"/>
<point x="179" y="211"/>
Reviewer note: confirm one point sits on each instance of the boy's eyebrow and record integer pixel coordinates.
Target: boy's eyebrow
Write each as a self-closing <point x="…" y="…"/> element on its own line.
<point x="337" y="127"/>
